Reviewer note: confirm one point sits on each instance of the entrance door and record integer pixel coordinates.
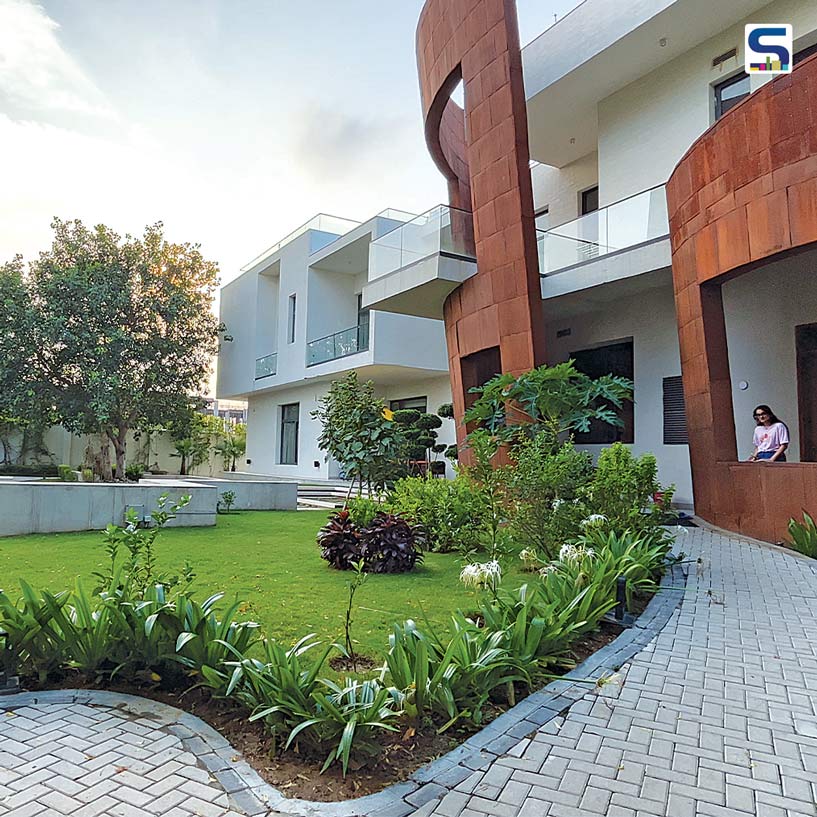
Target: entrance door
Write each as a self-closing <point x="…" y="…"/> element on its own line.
<point x="806" y="343"/>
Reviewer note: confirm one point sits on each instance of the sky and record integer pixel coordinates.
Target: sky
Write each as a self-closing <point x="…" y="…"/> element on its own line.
<point x="231" y="122"/>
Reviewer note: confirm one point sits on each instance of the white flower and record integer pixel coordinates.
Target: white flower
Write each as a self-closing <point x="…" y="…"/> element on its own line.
<point x="557" y="503"/>
<point x="480" y="575"/>
<point x="593" y="519"/>
<point x="547" y="569"/>
<point x="567" y="553"/>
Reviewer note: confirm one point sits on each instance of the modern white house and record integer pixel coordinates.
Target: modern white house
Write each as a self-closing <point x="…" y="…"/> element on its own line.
<point x="295" y="322"/>
<point x="616" y="93"/>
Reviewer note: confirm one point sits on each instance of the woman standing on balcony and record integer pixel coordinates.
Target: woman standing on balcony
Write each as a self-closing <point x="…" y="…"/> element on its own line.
<point x="771" y="438"/>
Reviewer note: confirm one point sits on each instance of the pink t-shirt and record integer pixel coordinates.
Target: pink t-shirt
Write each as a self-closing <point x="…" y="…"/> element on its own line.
<point x="772" y="437"/>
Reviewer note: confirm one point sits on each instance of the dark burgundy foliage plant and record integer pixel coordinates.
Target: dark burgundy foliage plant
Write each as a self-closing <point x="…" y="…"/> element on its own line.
<point x="339" y="541"/>
<point x="389" y="544"/>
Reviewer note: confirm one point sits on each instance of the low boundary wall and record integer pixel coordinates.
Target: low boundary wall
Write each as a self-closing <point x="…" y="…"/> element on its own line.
<point x="51" y="507"/>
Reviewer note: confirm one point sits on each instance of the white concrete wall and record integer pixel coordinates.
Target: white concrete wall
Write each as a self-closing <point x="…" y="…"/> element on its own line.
<point x="645" y="128"/>
<point x="264" y="433"/>
<point x="762" y="309"/>
<point x="236" y="358"/>
<point x="559" y="189"/>
<point x="649" y="319"/>
<point x="264" y="425"/>
<point x="49" y="507"/>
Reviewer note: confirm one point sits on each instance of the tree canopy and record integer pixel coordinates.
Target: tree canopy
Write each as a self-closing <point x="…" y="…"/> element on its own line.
<point x="115" y="333"/>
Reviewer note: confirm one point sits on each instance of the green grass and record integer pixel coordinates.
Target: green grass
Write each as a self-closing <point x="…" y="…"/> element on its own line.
<point x="271" y="561"/>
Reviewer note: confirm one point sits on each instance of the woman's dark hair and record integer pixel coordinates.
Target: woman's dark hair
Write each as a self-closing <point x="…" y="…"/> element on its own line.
<point x="772" y="416"/>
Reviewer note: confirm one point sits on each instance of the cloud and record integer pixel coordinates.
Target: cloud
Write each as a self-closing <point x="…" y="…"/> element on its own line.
<point x="334" y="145"/>
<point x="36" y="73"/>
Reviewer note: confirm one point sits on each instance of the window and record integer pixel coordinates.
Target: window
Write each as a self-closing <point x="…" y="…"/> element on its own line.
<point x="675" y="418"/>
<point x="418" y="403"/>
<point x="291" y="319"/>
<point x="729" y="92"/>
<point x="289" y="433"/>
<point x="617" y="359"/>
<point x="804" y="54"/>
<point x="542" y="218"/>
<point x="362" y="325"/>
<point x="589" y="200"/>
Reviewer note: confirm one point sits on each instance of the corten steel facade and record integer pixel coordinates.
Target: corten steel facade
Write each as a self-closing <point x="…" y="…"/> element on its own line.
<point x="743" y="195"/>
<point x="493" y="321"/>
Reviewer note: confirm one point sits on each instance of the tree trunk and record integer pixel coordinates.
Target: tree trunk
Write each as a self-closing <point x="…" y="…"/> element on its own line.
<point x="105" y="473"/>
<point x="183" y="466"/>
<point x="119" y="440"/>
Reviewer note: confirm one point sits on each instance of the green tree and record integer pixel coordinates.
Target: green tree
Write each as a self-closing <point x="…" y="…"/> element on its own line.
<point x="356" y="432"/>
<point x="233" y="445"/>
<point x="124" y="329"/>
<point x="550" y="400"/>
<point x="193" y="438"/>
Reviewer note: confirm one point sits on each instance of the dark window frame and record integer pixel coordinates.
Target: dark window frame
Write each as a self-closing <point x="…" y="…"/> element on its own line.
<point x="719" y="87"/>
<point x="583" y="200"/>
<point x="400" y="404"/>
<point x="804" y="53"/>
<point x="285" y="424"/>
<point x="602" y="433"/>
<point x="292" y="316"/>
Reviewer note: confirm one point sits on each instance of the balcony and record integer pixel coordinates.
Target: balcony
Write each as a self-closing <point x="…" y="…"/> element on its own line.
<point x="626" y="238"/>
<point x="340" y="344"/>
<point x="266" y="366"/>
<point x="413" y="268"/>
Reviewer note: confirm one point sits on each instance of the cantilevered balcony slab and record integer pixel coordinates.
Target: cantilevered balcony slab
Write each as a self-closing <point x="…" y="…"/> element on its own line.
<point x="414" y="268"/>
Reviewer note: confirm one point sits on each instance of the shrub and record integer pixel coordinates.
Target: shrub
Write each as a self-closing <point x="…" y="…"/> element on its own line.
<point x="227" y="499"/>
<point x="803" y="535"/>
<point x="623" y="486"/>
<point x="66" y="473"/>
<point x="362" y="510"/>
<point x="87" y="475"/>
<point x="134" y="471"/>
<point x="450" y="511"/>
<point x="340" y="542"/>
<point x="29" y="470"/>
<point x="391" y="545"/>
<point x="546" y="490"/>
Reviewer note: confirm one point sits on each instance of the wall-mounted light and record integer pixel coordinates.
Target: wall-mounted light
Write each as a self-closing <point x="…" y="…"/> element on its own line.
<point x="663" y="42"/>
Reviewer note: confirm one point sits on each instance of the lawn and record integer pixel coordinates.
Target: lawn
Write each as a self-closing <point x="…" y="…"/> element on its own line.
<point x="269" y="560"/>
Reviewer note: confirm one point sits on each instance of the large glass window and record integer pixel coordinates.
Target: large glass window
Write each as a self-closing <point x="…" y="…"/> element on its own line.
<point x="729" y="92"/>
<point x="590" y="200"/>
<point x="289" y="433"/>
<point x="617" y="359"/>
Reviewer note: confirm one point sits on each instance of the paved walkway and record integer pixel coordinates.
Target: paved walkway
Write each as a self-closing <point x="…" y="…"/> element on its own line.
<point x="715" y="717"/>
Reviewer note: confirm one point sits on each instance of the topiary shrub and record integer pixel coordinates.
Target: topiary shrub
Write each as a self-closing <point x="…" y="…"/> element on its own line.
<point x="66" y="473"/>
<point x="339" y="541"/>
<point x="391" y="544"/>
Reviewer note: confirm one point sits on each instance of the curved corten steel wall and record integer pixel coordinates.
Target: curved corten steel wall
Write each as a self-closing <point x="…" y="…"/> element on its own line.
<point x="483" y="153"/>
<point x="745" y="192"/>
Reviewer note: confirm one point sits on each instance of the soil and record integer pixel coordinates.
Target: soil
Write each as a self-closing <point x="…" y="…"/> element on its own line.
<point x="360" y="663"/>
<point x="299" y="776"/>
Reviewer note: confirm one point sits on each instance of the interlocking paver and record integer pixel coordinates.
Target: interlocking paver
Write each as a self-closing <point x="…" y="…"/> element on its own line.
<point x="716" y="716"/>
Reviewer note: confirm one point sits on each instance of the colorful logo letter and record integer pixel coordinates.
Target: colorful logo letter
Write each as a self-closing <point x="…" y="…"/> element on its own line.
<point x="769" y="48"/>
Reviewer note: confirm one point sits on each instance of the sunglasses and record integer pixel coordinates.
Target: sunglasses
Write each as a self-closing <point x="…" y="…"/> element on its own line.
<point x="762" y="414"/>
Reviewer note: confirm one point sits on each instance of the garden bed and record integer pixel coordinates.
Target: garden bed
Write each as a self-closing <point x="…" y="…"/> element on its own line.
<point x="298" y="776"/>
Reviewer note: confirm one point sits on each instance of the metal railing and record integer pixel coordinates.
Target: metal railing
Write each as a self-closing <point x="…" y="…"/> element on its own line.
<point x="340" y="344"/>
<point x="639" y="219"/>
<point x="442" y="230"/>
<point x="266" y="366"/>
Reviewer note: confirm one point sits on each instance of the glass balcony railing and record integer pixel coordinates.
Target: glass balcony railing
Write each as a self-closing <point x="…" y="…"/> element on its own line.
<point x="346" y="342"/>
<point x="636" y="220"/>
<point x="266" y="366"/>
<point x="443" y="230"/>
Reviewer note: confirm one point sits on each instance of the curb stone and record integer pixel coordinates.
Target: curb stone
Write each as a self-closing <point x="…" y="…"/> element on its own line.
<point x="457" y="771"/>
